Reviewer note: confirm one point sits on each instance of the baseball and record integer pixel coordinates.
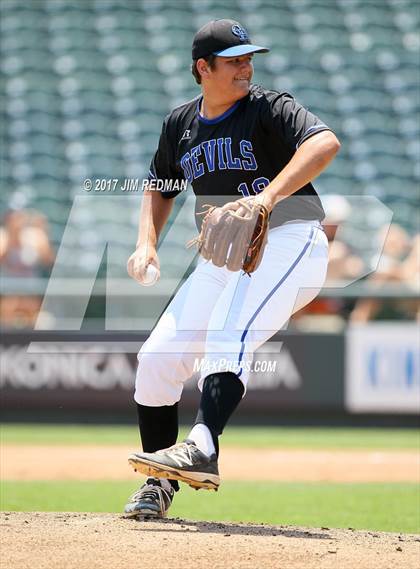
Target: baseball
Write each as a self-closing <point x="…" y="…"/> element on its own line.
<point x="151" y="276"/>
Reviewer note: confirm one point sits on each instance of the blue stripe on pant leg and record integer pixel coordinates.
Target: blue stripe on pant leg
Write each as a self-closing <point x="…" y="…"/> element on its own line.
<point x="264" y="302"/>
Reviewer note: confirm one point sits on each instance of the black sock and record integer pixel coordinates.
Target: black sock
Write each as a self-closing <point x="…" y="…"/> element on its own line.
<point x="221" y="394"/>
<point x="158" y="429"/>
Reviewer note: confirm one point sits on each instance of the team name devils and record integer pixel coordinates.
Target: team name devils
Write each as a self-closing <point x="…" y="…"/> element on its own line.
<point x="217" y="153"/>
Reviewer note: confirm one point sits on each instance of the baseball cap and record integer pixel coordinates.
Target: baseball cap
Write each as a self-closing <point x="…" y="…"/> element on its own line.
<point x="225" y="38"/>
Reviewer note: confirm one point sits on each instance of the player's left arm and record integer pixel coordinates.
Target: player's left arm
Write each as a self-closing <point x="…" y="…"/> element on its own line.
<point x="309" y="160"/>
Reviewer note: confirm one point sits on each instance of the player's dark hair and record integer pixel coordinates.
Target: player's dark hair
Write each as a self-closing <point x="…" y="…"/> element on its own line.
<point x="210" y="59"/>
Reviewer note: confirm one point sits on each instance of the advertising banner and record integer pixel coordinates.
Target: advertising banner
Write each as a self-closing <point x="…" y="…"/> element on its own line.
<point x="382" y="368"/>
<point x="71" y="371"/>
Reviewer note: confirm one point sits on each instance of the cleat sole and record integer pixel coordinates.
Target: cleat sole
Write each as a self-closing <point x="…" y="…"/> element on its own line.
<point x="144" y="516"/>
<point x="197" y="480"/>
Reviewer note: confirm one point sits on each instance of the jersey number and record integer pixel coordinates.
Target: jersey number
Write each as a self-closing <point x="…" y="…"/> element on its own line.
<point x="257" y="186"/>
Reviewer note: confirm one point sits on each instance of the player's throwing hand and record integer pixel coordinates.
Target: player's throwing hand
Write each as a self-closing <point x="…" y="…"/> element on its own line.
<point x="140" y="263"/>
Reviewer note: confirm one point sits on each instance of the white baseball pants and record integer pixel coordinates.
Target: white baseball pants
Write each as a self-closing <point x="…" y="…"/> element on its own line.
<point x="219" y="318"/>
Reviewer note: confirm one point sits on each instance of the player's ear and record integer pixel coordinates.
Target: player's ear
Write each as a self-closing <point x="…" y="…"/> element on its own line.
<point x="203" y="67"/>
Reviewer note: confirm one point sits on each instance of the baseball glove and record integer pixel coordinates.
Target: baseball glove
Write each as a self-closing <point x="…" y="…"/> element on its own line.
<point x="234" y="235"/>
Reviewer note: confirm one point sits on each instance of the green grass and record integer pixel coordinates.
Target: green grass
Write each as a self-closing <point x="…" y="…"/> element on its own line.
<point x="261" y="437"/>
<point x="377" y="507"/>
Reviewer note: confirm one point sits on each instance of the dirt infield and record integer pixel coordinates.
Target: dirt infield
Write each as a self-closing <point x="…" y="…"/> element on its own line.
<point x="20" y="462"/>
<point x="101" y="541"/>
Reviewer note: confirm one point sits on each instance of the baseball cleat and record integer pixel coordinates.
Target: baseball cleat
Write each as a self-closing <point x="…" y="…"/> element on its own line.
<point x="183" y="461"/>
<point x="150" y="501"/>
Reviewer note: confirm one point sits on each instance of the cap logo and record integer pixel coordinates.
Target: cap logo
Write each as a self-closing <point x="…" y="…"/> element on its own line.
<point x="240" y="32"/>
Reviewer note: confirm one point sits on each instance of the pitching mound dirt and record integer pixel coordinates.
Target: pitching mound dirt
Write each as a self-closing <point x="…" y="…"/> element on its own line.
<point x="99" y="541"/>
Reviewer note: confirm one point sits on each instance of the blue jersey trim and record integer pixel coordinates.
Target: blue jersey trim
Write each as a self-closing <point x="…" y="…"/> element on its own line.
<point x="264" y="302"/>
<point x="220" y="117"/>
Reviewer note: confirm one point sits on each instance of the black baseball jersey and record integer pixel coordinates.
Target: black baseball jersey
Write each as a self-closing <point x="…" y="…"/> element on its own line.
<point x="238" y="153"/>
